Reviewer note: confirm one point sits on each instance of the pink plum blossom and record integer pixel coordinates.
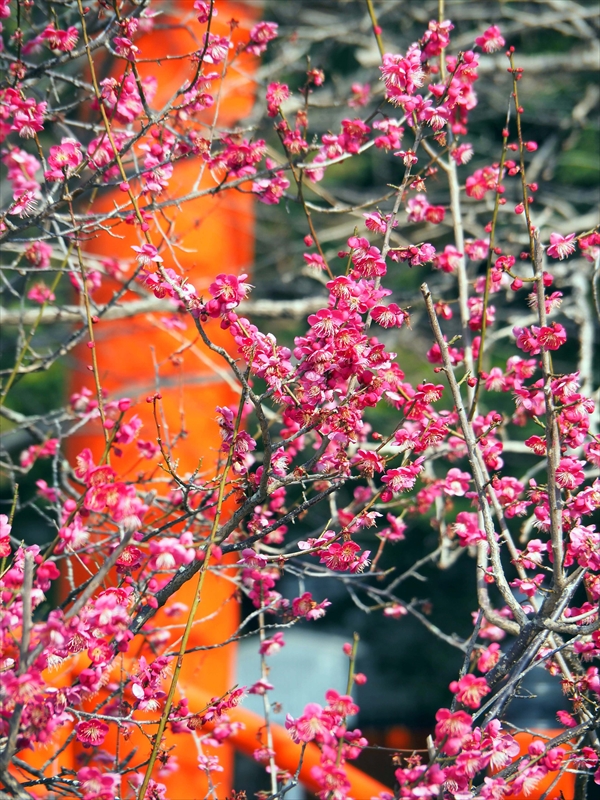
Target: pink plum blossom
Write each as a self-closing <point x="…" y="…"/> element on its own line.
<point x="561" y="246"/>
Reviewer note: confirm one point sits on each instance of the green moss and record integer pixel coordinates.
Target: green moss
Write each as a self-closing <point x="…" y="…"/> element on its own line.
<point x="580" y="165"/>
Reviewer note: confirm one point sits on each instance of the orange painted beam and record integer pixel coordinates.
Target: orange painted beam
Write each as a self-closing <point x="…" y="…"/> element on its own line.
<point x="188" y="783"/>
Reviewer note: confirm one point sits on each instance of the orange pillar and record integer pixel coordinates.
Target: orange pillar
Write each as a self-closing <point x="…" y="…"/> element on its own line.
<point x="564" y="788"/>
<point x="210" y="235"/>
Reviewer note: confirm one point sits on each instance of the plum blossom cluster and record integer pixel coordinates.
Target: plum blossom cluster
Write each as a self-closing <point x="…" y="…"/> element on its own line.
<point x="336" y="417"/>
<point x="99" y="630"/>
<point x="328" y="727"/>
<point x="470" y="750"/>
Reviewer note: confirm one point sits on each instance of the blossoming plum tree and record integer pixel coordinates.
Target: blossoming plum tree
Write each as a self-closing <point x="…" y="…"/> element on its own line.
<point x="303" y="433"/>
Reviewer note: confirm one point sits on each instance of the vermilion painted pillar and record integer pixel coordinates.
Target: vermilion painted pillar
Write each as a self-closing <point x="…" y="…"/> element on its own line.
<point x="211" y="235"/>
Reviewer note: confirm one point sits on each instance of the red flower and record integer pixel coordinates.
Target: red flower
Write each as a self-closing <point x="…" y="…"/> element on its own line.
<point x="550" y="337"/>
<point x="470" y="690"/>
<point x="4" y="536"/>
<point x="561" y="246"/>
<point x="491" y="40"/>
<point x="91" y="732"/>
<point x="569" y="473"/>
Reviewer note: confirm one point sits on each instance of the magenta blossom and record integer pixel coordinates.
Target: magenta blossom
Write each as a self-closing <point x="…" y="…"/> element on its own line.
<point x="389" y="316"/>
<point x="91" y="732"/>
<point x="561" y="246"/>
<point x="5" y="529"/>
<point x="470" y="690"/>
<point x="63" y="160"/>
<point x="277" y="93"/>
<point x="305" y="606"/>
<point x="309" y="725"/>
<point x="97" y="785"/>
<point x="491" y="40"/>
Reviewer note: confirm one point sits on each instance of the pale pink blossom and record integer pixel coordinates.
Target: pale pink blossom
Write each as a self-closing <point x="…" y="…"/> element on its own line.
<point x="260" y="35"/>
<point x="147" y="253"/>
<point x="215" y="48"/>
